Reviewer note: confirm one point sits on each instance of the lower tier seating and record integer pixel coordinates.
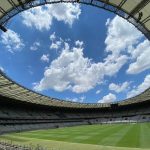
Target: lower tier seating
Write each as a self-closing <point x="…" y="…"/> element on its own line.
<point x="16" y="117"/>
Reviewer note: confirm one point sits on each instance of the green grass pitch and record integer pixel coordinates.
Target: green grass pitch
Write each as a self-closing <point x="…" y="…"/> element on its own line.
<point x="88" y="137"/>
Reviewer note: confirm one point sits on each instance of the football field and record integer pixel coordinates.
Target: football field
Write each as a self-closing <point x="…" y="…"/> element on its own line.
<point x="88" y="137"/>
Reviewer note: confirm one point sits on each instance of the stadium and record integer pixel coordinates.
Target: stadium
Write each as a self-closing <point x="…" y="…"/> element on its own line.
<point x="27" y="117"/>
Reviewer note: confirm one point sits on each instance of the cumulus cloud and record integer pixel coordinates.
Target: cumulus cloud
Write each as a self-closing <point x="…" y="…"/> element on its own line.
<point x="140" y="88"/>
<point x="79" y="43"/>
<point x="35" y="46"/>
<point x="38" y="18"/>
<point x="124" y="39"/>
<point x="12" y="41"/>
<point x="98" y="91"/>
<point x="140" y="55"/>
<point x="113" y="63"/>
<point x="56" y="41"/>
<point x="45" y="58"/>
<point x="52" y="36"/>
<point x="41" y="17"/>
<point x="55" y="45"/>
<point x="1" y="69"/>
<point x="71" y="70"/>
<point x="119" y="87"/>
<point x="65" y="12"/>
<point x="120" y="35"/>
<point x="108" y="98"/>
<point x="80" y="99"/>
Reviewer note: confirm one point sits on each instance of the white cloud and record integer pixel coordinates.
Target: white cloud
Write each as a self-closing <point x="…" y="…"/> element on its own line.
<point x="45" y="58"/>
<point x="121" y="35"/>
<point x="108" y="98"/>
<point x="55" y="45"/>
<point x="119" y="87"/>
<point x="107" y="22"/>
<point x="1" y="68"/>
<point x="41" y="17"/>
<point x="80" y="99"/>
<point x="56" y="42"/>
<point x="52" y="36"/>
<point x="12" y="41"/>
<point x="79" y="43"/>
<point x="35" y="46"/>
<point x="38" y="17"/>
<point x="113" y="63"/>
<point x="140" y="88"/>
<point x="141" y="56"/>
<point x="119" y="39"/>
<point x="66" y="12"/>
<point x="71" y="70"/>
<point x="123" y="39"/>
<point x="98" y="91"/>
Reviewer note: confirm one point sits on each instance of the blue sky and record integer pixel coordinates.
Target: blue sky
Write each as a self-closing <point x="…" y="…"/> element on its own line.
<point x="76" y="52"/>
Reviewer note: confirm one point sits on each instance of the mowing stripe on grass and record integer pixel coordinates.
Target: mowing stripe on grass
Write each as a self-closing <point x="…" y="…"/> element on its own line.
<point x="12" y="138"/>
<point x="54" y="134"/>
<point x="113" y="139"/>
<point x="131" y="138"/>
<point x="96" y="139"/>
<point x="56" y="145"/>
<point x="145" y="136"/>
<point x="122" y="135"/>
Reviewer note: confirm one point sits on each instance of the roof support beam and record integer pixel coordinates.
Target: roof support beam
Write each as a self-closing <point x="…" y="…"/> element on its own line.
<point x="140" y="6"/>
<point x="122" y="3"/>
<point x="146" y="19"/>
<point x="21" y="4"/>
<point x="2" y="11"/>
<point x="3" y="28"/>
<point x="13" y="4"/>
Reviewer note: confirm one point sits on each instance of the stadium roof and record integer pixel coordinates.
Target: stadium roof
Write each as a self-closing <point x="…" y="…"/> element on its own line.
<point x="136" y="12"/>
<point x="11" y="89"/>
